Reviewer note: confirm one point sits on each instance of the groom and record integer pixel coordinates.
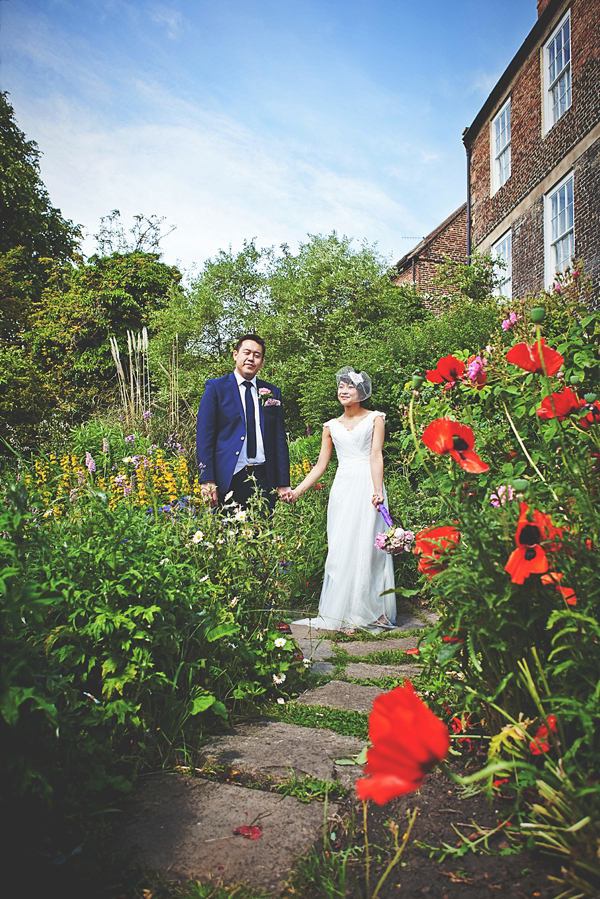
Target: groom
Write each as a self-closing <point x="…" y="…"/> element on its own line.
<point x="241" y="432"/>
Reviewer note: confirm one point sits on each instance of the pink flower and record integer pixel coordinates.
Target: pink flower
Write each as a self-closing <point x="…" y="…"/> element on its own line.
<point x="105" y="445"/>
<point x="263" y="391"/>
<point x="502" y="495"/>
<point x="380" y="541"/>
<point x="89" y="462"/>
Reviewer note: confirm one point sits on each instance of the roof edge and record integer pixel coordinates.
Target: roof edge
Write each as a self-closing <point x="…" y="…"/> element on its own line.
<point x="430" y="237"/>
<point x="522" y="53"/>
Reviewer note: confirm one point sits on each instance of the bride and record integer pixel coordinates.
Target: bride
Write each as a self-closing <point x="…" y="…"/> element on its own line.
<point x="357" y="573"/>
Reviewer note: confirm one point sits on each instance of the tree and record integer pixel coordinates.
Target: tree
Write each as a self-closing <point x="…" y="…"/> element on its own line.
<point x="144" y="236"/>
<point x="81" y="308"/>
<point x="27" y="217"/>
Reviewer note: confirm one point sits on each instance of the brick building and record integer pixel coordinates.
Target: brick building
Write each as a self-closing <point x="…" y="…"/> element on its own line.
<point x="448" y="240"/>
<point x="533" y="153"/>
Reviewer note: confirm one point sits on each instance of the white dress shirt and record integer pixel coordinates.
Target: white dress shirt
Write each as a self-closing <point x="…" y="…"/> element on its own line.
<point x="260" y="448"/>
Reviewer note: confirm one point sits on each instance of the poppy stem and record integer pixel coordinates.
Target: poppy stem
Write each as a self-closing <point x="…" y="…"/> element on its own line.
<point x="367" y="857"/>
<point x="524" y="448"/>
<point x="432" y="477"/>
<point x="399" y="850"/>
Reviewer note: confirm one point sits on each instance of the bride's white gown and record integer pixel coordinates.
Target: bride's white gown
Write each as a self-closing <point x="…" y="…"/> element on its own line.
<point x="356" y="572"/>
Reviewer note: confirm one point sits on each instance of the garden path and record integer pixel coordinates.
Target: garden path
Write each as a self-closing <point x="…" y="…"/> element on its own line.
<point x="183" y="826"/>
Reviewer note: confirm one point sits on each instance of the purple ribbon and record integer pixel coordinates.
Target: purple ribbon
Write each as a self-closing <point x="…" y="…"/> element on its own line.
<point x="385" y="515"/>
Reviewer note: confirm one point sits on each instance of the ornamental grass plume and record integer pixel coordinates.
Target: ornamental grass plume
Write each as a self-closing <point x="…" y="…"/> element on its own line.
<point x="408" y="741"/>
<point x="446" y="436"/>
<point x="528" y="357"/>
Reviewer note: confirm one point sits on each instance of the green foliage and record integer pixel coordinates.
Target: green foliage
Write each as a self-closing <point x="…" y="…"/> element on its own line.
<point x="519" y="596"/>
<point x="125" y="633"/>
<point x="27" y="218"/>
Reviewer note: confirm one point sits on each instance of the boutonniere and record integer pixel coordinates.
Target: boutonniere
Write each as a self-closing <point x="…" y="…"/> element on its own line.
<point x="266" y="397"/>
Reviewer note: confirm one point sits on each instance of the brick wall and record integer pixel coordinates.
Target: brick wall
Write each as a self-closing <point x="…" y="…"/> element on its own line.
<point x="449" y="240"/>
<point x="534" y="156"/>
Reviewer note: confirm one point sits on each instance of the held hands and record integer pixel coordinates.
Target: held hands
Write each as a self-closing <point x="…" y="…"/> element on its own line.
<point x="209" y="494"/>
<point x="286" y="494"/>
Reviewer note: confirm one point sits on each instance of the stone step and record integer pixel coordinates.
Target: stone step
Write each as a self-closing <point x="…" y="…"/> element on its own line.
<point x="337" y="694"/>
<point x="364" y="671"/>
<point x="276" y="750"/>
<point x="183" y="826"/>
<point x="386" y="644"/>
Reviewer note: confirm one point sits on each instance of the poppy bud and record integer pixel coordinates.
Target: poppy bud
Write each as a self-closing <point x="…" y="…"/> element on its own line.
<point x="537" y="314"/>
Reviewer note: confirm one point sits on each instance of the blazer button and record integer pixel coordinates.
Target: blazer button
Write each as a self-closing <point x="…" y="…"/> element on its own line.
<point x="238" y="452"/>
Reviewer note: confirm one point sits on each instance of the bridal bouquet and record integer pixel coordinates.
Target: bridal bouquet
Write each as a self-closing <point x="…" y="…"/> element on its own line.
<point x="395" y="540"/>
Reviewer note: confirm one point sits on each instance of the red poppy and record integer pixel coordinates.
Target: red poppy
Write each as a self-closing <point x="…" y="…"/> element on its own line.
<point x="449" y="370"/>
<point x="540" y="742"/>
<point x="432" y="543"/>
<point x="446" y="436"/>
<point x="567" y="593"/>
<point x="413" y="652"/>
<point x="408" y="741"/>
<point x="560" y="405"/>
<point x="528" y="357"/>
<point x="592" y="418"/>
<point x="533" y="528"/>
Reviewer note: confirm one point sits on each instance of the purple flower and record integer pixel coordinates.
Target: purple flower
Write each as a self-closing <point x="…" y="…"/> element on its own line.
<point x="502" y="495"/>
<point x="512" y="319"/>
<point x="147" y="415"/>
<point x="105" y="445"/>
<point x="89" y="462"/>
<point x="380" y="541"/>
<point x="475" y="368"/>
<point x="130" y="438"/>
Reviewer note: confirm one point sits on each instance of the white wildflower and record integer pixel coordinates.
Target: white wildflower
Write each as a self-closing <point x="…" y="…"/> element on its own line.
<point x="280" y="641"/>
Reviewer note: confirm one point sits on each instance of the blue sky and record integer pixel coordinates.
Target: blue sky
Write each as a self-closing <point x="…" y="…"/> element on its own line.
<point x="254" y="118"/>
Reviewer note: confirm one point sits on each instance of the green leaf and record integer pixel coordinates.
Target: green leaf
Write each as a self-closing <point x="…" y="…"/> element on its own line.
<point x="222" y="630"/>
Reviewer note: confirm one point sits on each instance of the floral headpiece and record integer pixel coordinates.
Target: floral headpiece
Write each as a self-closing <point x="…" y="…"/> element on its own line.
<point x="358" y="379"/>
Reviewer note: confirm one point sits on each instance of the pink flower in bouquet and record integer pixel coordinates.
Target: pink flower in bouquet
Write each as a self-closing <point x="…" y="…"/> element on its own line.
<point x="381" y="541"/>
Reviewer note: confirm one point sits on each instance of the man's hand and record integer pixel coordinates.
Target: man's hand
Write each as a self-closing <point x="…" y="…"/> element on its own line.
<point x="209" y="493"/>
<point x="285" y="494"/>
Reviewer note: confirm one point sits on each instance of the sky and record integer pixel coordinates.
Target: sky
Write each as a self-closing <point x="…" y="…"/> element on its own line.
<point x="265" y="119"/>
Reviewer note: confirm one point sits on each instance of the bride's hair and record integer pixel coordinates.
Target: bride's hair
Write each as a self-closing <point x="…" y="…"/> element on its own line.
<point x="358" y="379"/>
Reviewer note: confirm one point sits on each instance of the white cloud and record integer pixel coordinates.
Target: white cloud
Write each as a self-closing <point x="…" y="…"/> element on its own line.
<point x="168" y="18"/>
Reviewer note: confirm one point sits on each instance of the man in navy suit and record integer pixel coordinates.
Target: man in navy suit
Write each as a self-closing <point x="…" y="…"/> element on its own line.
<point x="241" y="432"/>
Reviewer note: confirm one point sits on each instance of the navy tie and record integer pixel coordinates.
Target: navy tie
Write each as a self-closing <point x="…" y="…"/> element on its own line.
<point x="250" y="422"/>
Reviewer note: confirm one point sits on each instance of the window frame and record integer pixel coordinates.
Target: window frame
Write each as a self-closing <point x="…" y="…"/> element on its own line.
<point x="550" y="266"/>
<point x="498" y="178"/>
<point x="549" y="84"/>
<point x="504" y="273"/>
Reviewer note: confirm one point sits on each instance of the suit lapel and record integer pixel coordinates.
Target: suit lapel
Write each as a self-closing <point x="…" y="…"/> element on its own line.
<point x="235" y="392"/>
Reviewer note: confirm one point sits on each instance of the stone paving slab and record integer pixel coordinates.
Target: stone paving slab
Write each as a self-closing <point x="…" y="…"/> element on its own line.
<point x="276" y="749"/>
<point x="184" y="826"/>
<point x="338" y="694"/>
<point x="387" y="644"/>
<point x="363" y="671"/>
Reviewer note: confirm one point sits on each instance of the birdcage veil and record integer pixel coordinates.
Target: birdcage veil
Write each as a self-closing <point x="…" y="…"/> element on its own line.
<point x="358" y="379"/>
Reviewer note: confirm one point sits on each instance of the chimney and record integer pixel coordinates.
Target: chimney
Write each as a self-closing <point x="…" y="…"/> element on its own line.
<point x="541" y="6"/>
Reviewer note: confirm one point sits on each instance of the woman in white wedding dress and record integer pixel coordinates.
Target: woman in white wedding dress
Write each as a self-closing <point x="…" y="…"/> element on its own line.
<point x="357" y="573"/>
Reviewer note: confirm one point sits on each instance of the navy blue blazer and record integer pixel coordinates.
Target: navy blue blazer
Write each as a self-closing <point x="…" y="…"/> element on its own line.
<point x="221" y="432"/>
